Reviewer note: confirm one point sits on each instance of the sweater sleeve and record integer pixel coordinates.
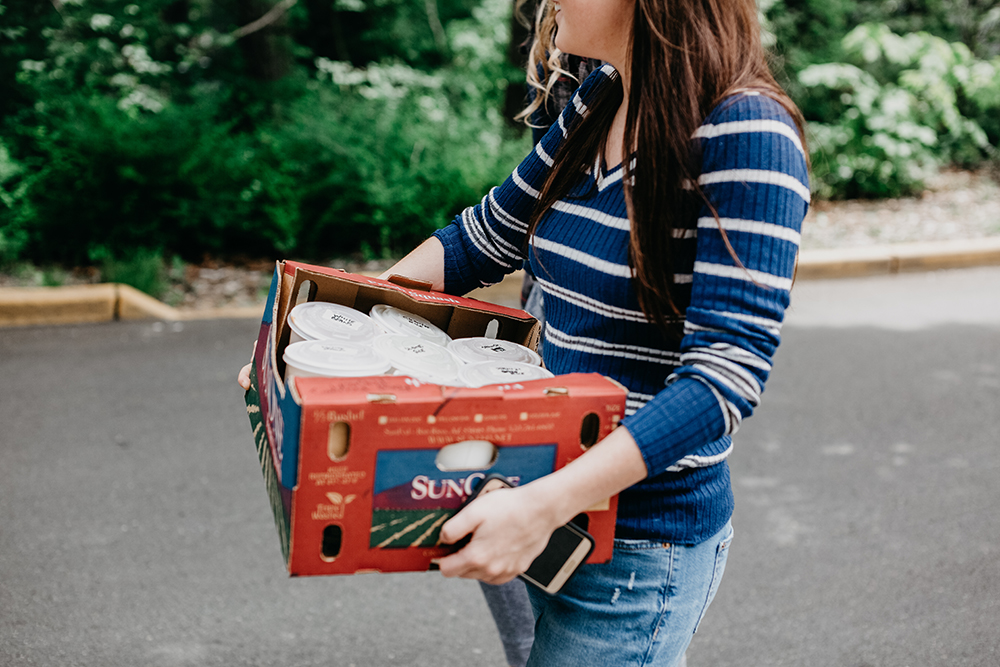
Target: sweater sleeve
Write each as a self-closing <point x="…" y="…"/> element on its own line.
<point x="486" y="241"/>
<point x="754" y="172"/>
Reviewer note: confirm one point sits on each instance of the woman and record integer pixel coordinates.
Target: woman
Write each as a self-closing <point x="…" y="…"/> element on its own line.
<point x="661" y="216"/>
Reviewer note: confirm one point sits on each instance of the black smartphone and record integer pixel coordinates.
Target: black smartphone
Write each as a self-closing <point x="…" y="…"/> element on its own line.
<point x="568" y="547"/>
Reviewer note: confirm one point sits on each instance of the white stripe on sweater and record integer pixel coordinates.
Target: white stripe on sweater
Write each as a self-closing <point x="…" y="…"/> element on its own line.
<point x="636" y="401"/>
<point x="730" y="413"/>
<point x="745" y="126"/>
<point x="739" y="377"/>
<point x="756" y="176"/>
<point x="603" y="182"/>
<point x="523" y="184"/>
<point x="748" y="275"/>
<point x="766" y="323"/>
<point x="574" y="255"/>
<point x="480" y="237"/>
<point x="691" y="328"/>
<point x="543" y="156"/>
<point x="639" y="399"/>
<point x="506" y="219"/>
<point x="740" y="356"/>
<point x="603" y="348"/>
<point x="588" y="303"/>
<point x="695" y="461"/>
<point x="734" y="384"/>
<point x="597" y="215"/>
<point x="505" y="248"/>
<point x="751" y="227"/>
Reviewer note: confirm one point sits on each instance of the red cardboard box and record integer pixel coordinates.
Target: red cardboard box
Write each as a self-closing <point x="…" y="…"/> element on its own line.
<point x="351" y="465"/>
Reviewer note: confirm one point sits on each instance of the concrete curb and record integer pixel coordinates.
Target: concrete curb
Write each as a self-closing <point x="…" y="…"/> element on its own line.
<point x="106" y="302"/>
<point x="26" y="306"/>
<point x="898" y="258"/>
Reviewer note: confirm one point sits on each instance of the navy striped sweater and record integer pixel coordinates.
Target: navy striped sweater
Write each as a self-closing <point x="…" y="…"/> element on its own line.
<point x="686" y="398"/>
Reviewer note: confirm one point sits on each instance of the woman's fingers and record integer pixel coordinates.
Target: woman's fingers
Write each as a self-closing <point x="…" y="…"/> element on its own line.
<point x="244" y="377"/>
<point x="458" y="527"/>
<point x="506" y="536"/>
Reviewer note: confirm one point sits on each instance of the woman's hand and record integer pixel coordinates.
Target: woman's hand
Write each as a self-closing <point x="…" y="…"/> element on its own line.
<point x="243" y="378"/>
<point x="509" y="528"/>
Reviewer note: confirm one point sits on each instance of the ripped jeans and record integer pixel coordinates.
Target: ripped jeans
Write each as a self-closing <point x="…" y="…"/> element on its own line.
<point x="639" y="610"/>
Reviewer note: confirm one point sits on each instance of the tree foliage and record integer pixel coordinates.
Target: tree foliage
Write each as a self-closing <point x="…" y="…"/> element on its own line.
<point x="166" y="125"/>
<point x="895" y="110"/>
<point x="318" y="128"/>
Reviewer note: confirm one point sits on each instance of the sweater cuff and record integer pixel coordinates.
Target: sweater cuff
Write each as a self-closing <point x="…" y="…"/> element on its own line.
<point x="458" y="279"/>
<point x="678" y="421"/>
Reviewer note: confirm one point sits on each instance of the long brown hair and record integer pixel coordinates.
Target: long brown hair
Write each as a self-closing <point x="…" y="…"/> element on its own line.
<point x="544" y="64"/>
<point x="685" y="56"/>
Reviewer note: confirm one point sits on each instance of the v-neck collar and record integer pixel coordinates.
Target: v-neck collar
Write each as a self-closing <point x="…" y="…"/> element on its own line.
<point x="604" y="177"/>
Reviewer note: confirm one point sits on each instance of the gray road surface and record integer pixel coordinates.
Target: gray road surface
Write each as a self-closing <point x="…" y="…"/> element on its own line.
<point x="135" y="529"/>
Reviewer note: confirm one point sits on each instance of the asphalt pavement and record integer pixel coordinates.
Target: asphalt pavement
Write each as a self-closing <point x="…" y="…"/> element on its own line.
<point x="136" y="531"/>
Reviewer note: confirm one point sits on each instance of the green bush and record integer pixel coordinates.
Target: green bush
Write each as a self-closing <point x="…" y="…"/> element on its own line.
<point x="13" y="213"/>
<point x="349" y="159"/>
<point x="143" y="269"/>
<point x="390" y="153"/>
<point x="106" y="183"/>
<point x="899" y="108"/>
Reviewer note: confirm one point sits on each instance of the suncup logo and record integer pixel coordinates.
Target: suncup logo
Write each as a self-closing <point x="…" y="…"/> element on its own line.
<point x="424" y="487"/>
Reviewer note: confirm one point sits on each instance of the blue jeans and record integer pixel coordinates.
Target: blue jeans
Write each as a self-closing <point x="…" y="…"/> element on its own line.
<point x="640" y="610"/>
<point x="512" y="614"/>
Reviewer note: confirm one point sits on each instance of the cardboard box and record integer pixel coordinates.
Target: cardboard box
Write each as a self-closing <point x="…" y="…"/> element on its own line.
<point x="350" y="464"/>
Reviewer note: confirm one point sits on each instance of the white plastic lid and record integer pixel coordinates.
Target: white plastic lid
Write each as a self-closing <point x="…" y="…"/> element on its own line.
<point x="333" y="358"/>
<point x="396" y="321"/>
<point x="477" y="350"/>
<point x="319" y="320"/>
<point x="419" y="358"/>
<point x="500" y="372"/>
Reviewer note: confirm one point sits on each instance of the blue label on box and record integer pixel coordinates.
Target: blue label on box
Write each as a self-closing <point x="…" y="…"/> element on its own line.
<point x="413" y="497"/>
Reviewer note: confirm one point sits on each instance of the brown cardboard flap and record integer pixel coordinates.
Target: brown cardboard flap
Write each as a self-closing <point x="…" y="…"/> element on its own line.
<point x="409" y="283"/>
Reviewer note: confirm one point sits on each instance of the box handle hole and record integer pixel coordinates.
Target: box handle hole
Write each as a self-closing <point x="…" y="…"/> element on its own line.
<point x="493" y="329"/>
<point x="338" y="441"/>
<point x="589" y="430"/>
<point x="467" y="455"/>
<point x="333" y="538"/>
<point x="306" y="291"/>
